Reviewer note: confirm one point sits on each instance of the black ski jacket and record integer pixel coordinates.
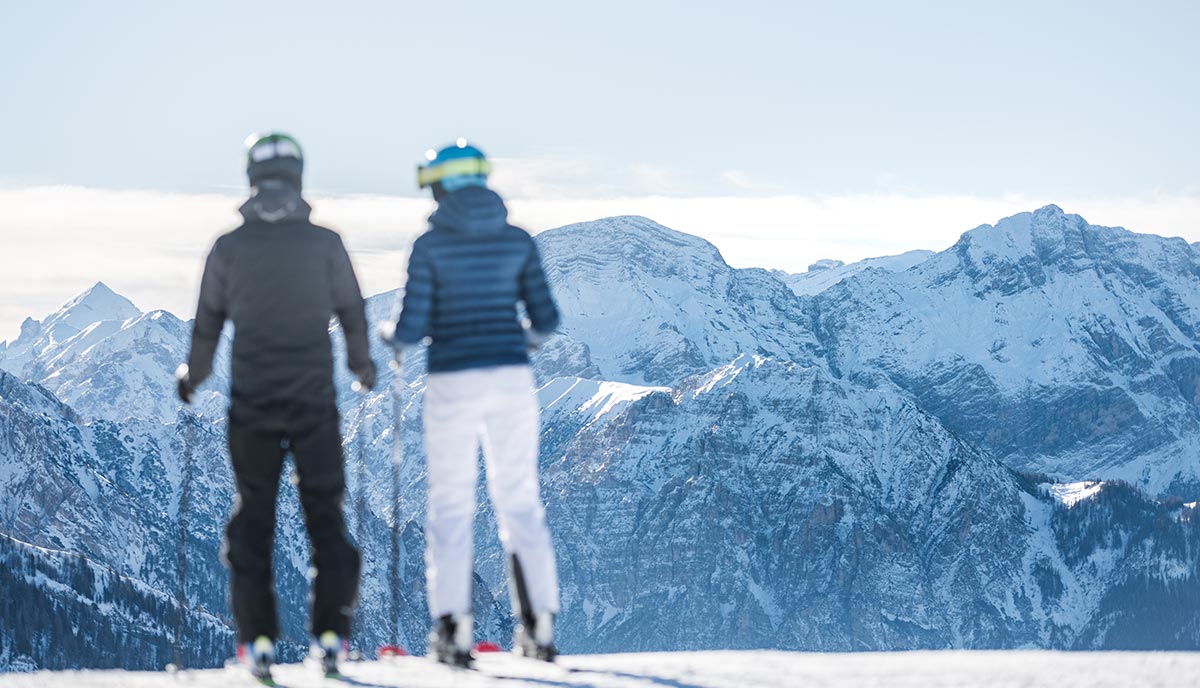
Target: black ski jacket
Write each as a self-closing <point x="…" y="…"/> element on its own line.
<point x="280" y="279"/>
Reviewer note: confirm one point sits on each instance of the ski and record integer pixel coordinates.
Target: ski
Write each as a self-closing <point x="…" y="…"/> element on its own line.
<point x="255" y="659"/>
<point x="253" y="674"/>
<point x="259" y="677"/>
<point x="520" y="668"/>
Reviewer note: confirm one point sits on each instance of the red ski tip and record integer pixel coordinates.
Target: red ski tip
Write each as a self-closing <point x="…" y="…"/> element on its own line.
<point x="386" y="651"/>
<point x="485" y="646"/>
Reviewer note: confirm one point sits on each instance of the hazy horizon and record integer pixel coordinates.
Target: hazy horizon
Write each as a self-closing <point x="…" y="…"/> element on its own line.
<point x="377" y="229"/>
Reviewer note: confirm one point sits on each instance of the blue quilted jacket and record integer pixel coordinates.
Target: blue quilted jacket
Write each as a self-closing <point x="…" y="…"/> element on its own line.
<point x="466" y="275"/>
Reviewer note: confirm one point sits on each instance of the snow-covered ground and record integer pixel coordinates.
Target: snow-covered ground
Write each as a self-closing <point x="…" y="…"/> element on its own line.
<point x="1071" y="494"/>
<point x="957" y="669"/>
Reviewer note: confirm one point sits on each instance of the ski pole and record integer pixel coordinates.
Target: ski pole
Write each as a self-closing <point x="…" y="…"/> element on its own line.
<point x="189" y="442"/>
<point x="397" y="366"/>
<point x="361" y="486"/>
<point x="397" y="458"/>
<point x="387" y="331"/>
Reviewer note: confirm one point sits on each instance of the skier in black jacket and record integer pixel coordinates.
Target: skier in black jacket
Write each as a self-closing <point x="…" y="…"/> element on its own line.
<point x="280" y="279"/>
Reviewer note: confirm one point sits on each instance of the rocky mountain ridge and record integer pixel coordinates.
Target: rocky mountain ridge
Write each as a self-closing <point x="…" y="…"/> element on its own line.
<point x="1052" y="344"/>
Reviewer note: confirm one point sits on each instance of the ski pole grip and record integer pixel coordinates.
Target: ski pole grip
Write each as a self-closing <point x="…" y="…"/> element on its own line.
<point x="387" y="331"/>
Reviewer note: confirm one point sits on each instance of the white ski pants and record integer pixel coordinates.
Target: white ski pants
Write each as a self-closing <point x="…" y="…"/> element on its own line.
<point x="496" y="407"/>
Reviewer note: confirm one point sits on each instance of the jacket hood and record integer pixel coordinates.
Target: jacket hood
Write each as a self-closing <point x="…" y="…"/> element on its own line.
<point x="275" y="202"/>
<point x="471" y="210"/>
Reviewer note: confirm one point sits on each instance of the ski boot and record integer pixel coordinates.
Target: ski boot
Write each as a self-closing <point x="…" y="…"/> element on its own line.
<point x="450" y="640"/>
<point x="328" y="650"/>
<point x="534" y="638"/>
<point x="258" y="657"/>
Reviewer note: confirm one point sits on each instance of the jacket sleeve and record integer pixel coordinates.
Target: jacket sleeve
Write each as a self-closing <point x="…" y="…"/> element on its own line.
<point x="417" y="307"/>
<point x="351" y="310"/>
<point x="539" y="305"/>
<point x="210" y="315"/>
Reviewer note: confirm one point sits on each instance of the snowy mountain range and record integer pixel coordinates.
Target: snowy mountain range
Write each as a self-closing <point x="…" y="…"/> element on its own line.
<point x="1052" y="344"/>
<point x="993" y="446"/>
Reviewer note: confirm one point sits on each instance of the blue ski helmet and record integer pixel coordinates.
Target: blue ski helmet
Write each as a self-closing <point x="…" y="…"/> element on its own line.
<point x="274" y="156"/>
<point x="454" y="167"/>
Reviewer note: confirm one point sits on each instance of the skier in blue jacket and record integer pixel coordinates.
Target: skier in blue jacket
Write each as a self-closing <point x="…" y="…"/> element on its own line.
<point x="467" y="276"/>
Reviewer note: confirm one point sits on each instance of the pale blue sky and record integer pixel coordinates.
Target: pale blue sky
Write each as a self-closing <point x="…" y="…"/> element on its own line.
<point x="1072" y="98"/>
<point x="783" y="132"/>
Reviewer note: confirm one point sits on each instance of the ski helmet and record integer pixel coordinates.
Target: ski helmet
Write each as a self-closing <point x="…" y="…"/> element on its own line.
<point x="274" y="156"/>
<point x="454" y="167"/>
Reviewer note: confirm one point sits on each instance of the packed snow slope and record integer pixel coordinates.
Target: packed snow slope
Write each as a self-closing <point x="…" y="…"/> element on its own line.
<point x="720" y="473"/>
<point x="1019" y="669"/>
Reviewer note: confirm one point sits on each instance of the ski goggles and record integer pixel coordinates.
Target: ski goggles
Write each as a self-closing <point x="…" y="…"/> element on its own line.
<point x="273" y="146"/>
<point x="428" y="175"/>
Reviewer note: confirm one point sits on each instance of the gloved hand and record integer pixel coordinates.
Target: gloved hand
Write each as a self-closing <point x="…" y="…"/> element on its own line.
<point x="387" y="333"/>
<point x="535" y="339"/>
<point x="185" y="388"/>
<point x="366" y="378"/>
<point x="397" y="361"/>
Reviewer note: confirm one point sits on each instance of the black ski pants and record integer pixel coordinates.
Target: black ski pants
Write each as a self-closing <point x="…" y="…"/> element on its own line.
<point x="257" y="450"/>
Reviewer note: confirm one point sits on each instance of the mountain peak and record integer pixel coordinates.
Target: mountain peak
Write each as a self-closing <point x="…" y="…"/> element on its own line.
<point x="1045" y="217"/>
<point x="1021" y="250"/>
<point x="826" y="264"/>
<point x="1040" y="233"/>
<point x="1049" y="211"/>
<point x="628" y="236"/>
<point x="620" y="225"/>
<point x="96" y="304"/>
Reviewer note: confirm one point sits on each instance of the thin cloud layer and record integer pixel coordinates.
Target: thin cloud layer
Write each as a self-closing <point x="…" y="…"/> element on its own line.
<point x="150" y="246"/>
